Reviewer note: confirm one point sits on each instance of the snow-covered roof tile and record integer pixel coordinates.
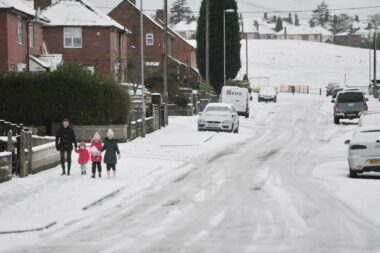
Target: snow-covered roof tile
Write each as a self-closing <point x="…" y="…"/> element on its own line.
<point x="78" y="13"/>
<point x="18" y="5"/>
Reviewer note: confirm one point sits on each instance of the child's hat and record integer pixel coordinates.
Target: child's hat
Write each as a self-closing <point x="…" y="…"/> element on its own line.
<point x="97" y="136"/>
<point x="110" y="133"/>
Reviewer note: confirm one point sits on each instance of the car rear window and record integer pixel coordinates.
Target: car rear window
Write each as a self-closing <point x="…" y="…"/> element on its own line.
<point x="216" y="109"/>
<point x="350" y="97"/>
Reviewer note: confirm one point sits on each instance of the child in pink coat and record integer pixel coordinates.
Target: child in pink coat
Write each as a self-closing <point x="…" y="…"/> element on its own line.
<point x="84" y="157"/>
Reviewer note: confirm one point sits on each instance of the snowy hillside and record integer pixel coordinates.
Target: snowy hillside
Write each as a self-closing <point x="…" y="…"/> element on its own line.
<point x="281" y="5"/>
<point x="306" y="63"/>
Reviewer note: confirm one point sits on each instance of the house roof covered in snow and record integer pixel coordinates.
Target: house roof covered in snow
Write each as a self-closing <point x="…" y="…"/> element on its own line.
<point x="18" y="5"/>
<point x="303" y="30"/>
<point x="106" y="5"/>
<point x="185" y="26"/>
<point x="78" y="13"/>
<point x="109" y="5"/>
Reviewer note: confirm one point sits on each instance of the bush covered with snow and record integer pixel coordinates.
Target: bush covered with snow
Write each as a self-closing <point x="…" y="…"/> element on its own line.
<point x="70" y="91"/>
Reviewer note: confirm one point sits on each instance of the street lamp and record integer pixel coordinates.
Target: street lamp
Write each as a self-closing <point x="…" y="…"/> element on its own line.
<point x="142" y="38"/>
<point x="224" y="43"/>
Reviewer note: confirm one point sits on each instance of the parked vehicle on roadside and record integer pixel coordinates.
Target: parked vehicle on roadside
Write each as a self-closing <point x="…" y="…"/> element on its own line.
<point x="330" y="87"/>
<point x="335" y="91"/>
<point x="369" y="118"/>
<point x="219" y="117"/>
<point x="364" y="151"/>
<point x="349" y="105"/>
<point x="267" y="94"/>
<point x="238" y="97"/>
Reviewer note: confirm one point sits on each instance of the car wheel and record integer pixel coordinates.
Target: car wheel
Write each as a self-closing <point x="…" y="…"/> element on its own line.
<point x="237" y="130"/>
<point x="336" y="120"/>
<point x="247" y="115"/>
<point x="353" y="174"/>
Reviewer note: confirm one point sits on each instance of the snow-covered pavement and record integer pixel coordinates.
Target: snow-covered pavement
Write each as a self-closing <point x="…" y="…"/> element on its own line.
<point x="280" y="185"/>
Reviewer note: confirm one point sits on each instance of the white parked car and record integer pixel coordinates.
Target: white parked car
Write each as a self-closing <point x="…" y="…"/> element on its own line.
<point x="364" y="151"/>
<point x="267" y="94"/>
<point x="369" y="118"/>
<point x="238" y="97"/>
<point x="219" y="117"/>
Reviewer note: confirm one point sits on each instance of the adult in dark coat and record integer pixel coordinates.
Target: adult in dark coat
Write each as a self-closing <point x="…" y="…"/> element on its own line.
<point x="112" y="151"/>
<point x="65" y="141"/>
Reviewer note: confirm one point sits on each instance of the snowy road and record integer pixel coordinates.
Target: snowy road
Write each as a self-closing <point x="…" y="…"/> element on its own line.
<point x="281" y="186"/>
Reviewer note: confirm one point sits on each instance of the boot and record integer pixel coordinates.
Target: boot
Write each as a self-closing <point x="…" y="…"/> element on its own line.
<point x="93" y="176"/>
<point x="63" y="173"/>
<point x="82" y="173"/>
<point x="108" y="174"/>
<point x="100" y="174"/>
<point x="68" y="173"/>
<point x="85" y="173"/>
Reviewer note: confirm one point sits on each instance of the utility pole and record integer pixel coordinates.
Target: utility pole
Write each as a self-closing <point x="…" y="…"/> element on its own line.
<point x="246" y="55"/>
<point x="142" y="40"/>
<point x="166" y="49"/>
<point x="370" y="57"/>
<point x="208" y="42"/>
<point x="375" y="58"/>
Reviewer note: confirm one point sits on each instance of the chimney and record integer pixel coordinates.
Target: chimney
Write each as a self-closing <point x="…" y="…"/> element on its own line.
<point x="160" y="14"/>
<point x="42" y="4"/>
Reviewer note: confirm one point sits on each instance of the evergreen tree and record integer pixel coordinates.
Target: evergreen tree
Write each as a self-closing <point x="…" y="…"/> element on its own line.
<point x="357" y="18"/>
<point x="321" y="15"/>
<point x="290" y="18"/>
<point x="265" y="16"/>
<point x="180" y="11"/>
<point x="296" y="20"/>
<point x="279" y="25"/>
<point x="233" y="62"/>
<point x="335" y="24"/>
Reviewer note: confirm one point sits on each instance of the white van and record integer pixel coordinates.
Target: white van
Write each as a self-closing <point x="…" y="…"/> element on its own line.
<point x="238" y="97"/>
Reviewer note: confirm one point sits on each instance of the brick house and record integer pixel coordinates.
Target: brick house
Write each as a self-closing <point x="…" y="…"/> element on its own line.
<point x="126" y="13"/>
<point x="20" y="35"/>
<point x="85" y="35"/>
<point x="348" y="38"/>
<point x="182" y="51"/>
<point x="181" y="54"/>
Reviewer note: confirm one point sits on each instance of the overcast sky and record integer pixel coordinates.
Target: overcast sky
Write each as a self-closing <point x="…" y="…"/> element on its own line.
<point x="267" y="5"/>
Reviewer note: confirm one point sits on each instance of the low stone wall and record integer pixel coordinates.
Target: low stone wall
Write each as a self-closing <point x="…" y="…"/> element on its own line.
<point x="44" y="157"/>
<point x="5" y="166"/>
<point x="175" y="110"/>
<point x="86" y="133"/>
<point x="39" y="140"/>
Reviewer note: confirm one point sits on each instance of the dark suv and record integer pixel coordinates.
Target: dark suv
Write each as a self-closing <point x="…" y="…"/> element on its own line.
<point x="349" y="105"/>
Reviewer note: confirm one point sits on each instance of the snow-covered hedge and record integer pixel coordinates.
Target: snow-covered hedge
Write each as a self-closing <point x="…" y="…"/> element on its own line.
<point x="70" y="92"/>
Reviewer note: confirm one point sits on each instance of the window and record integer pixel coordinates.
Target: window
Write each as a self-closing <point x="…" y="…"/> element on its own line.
<point x="72" y="37"/>
<point x="19" y="30"/>
<point x="150" y="39"/>
<point x="31" y="35"/>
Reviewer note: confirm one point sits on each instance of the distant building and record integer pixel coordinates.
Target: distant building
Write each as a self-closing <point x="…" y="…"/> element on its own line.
<point x="348" y="39"/>
<point x="186" y="28"/>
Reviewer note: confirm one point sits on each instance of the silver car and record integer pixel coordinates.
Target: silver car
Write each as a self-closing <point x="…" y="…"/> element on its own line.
<point x="364" y="151"/>
<point x="219" y="117"/>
